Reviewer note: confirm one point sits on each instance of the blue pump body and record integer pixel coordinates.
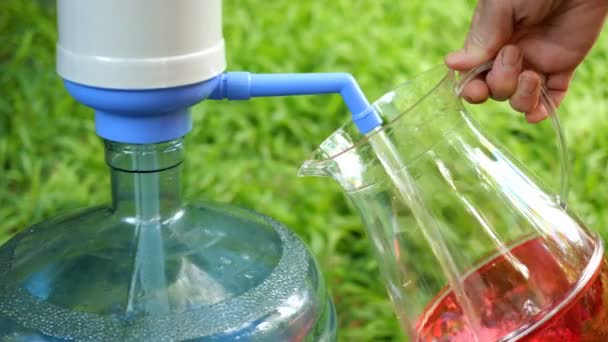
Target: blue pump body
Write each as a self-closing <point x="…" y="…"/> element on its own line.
<point x="156" y="115"/>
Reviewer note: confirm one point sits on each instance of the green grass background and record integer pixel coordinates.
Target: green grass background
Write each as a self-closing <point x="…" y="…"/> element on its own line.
<point x="248" y="152"/>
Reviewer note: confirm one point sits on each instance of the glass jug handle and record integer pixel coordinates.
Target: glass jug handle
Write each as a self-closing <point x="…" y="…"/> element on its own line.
<point x="551" y="111"/>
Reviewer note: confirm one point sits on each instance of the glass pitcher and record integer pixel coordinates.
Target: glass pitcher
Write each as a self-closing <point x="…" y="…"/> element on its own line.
<point x="471" y="246"/>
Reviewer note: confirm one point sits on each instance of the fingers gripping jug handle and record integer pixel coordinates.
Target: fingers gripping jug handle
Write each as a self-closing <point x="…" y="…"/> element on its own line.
<point x="549" y="106"/>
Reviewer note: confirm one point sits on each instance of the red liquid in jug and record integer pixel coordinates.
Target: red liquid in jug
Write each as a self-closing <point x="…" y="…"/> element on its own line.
<point x="584" y="318"/>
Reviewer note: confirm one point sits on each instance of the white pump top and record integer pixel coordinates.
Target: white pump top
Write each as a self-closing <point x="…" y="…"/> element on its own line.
<point x="140" y="44"/>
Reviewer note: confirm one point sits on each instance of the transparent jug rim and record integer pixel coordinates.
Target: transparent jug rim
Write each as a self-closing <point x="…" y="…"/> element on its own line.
<point x="460" y="81"/>
<point x="387" y="124"/>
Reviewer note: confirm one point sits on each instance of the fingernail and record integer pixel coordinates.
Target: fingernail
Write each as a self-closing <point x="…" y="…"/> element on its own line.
<point x="454" y="57"/>
<point x="527" y="85"/>
<point x="510" y="56"/>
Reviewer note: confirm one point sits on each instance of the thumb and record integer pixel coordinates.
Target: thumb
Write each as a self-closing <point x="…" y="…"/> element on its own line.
<point x="491" y="28"/>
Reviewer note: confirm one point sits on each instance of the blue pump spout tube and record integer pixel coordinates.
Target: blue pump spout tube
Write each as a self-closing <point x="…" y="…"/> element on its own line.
<point x="245" y="85"/>
<point x="147" y="116"/>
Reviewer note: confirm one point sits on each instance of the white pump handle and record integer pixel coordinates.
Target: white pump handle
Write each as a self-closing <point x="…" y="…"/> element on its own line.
<point x="139" y="44"/>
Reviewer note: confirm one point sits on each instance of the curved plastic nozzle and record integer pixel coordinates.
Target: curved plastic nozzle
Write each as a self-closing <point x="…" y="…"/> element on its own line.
<point x="245" y="85"/>
<point x="148" y="116"/>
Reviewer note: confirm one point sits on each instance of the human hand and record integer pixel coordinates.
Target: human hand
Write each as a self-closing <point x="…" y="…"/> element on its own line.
<point x="533" y="42"/>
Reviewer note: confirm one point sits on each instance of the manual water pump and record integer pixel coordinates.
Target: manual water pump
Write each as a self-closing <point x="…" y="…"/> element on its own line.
<point x="149" y="267"/>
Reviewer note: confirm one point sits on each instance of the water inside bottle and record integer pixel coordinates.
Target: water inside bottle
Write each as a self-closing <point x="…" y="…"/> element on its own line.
<point x="236" y="284"/>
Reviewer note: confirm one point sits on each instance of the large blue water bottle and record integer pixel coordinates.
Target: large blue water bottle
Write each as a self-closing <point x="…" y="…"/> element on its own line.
<point x="149" y="267"/>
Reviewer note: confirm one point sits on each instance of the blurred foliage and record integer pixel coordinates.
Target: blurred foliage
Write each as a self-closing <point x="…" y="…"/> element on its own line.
<point x="248" y="152"/>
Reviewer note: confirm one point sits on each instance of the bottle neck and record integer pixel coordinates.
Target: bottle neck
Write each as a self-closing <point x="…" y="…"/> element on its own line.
<point x="145" y="179"/>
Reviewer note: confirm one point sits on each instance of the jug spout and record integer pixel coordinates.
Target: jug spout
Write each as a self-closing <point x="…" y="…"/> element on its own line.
<point x="340" y="158"/>
<point x="313" y="168"/>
